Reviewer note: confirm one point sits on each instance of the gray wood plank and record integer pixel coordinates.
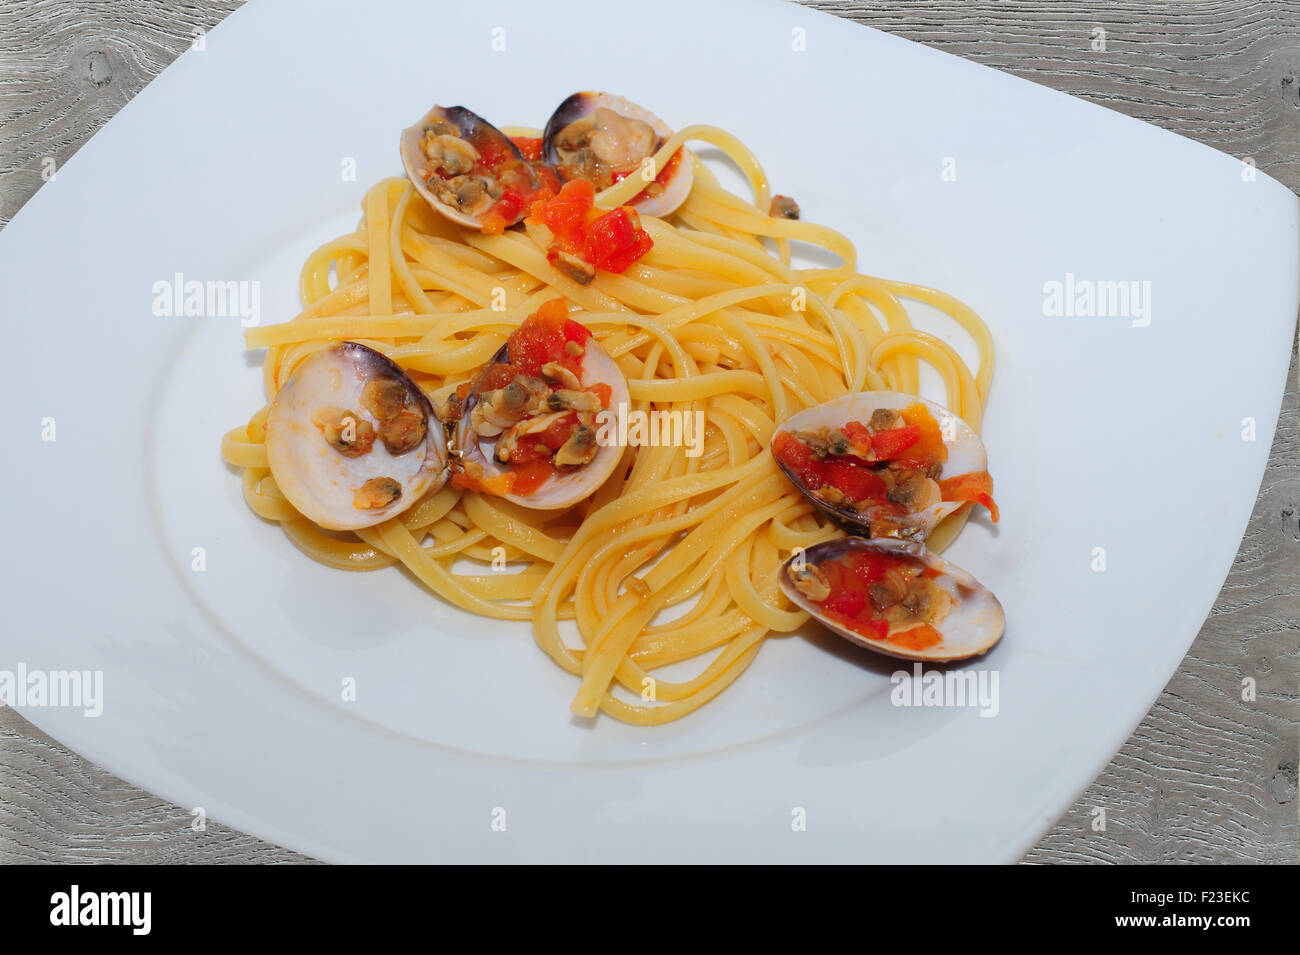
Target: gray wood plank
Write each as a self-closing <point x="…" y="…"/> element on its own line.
<point x="1207" y="777"/>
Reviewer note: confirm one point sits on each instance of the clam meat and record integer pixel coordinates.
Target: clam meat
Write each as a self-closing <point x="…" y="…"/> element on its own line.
<point x="605" y="139"/>
<point x="889" y="464"/>
<point x="530" y="423"/>
<point x="469" y="170"/>
<point x="351" y="440"/>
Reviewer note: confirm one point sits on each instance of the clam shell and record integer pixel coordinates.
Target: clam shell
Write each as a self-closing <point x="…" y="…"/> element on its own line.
<point x="561" y="490"/>
<point x="319" y="481"/>
<point x="473" y="128"/>
<point x="974" y="624"/>
<point x="965" y="450"/>
<point x="584" y="103"/>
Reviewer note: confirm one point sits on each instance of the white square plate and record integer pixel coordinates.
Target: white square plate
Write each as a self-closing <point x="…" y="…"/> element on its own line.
<point x="222" y="687"/>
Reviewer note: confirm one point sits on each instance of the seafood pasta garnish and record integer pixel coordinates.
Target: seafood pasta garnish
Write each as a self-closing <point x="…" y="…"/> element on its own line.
<point x="889" y="465"/>
<point x="528" y="423"/>
<point x="896" y="598"/>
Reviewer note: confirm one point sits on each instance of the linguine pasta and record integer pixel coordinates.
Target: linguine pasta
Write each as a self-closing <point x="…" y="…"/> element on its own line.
<point x="675" y="558"/>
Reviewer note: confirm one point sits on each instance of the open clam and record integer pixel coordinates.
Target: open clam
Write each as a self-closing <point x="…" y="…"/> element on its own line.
<point x="351" y="440"/>
<point x="894" y="597"/>
<point x="530" y="424"/>
<point x="469" y="170"/>
<point x="606" y="138"/>
<point x="889" y="464"/>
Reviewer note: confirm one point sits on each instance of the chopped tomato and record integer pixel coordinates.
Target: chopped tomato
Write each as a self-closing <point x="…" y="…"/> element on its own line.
<point x="798" y="457"/>
<point x="849" y="579"/>
<point x="497" y="484"/>
<point x="856" y="481"/>
<point x="491" y="151"/>
<point x="846" y="603"/>
<point x="869" y="567"/>
<point x="889" y="444"/>
<point x="550" y="180"/>
<point x="929" y="447"/>
<point x="859" y="437"/>
<point x="530" y="146"/>
<point x="916" y="638"/>
<point x="602" y="391"/>
<point x="497" y="376"/>
<point x="573" y="332"/>
<point x="566" y="214"/>
<point x="616" y="240"/>
<point x="974" y="486"/>
<point x="551" y="439"/>
<point x="528" y="477"/>
<point x="504" y="212"/>
<point x="872" y="628"/>
<point x="541" y="338"/>
<point x="608" y="240"/>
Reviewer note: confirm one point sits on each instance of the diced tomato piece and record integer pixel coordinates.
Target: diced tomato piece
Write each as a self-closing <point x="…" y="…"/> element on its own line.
<point x="836" y="575"/>
<point x="929" y="447"/>
<point x="490" y="151"/>
<point x="869" y="567"/>
<point x="540" y="339"/>
<point x="974" y="486"/>
<point x="528" y="477"/>
<point x="798" y="457"/>
<point x="857" y="481"/>
<point x="847" y="603"/>
<point x="551" y="439"/>
<point x="497" y="484"/>
<point x="550" y="180"/>
<point x="510" y="205"/>
<point x="917" y="638"/>
<point x="530" y="146"/>
<point x="497" y="376"/>
<point x="602" y="391"/>
<point x="575" y="332"/>
<point x="871" y="628"/>
<point x="859" y="437"/>
<point x="889" y="444"/>
<point x="566" y="213"/>
<point x="503" y="213"/>
<point x="616" y="240"/>
<point x="608" y="240"/>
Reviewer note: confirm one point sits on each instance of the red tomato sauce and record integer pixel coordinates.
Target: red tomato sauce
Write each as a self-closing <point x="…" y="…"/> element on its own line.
<point x="542" y="339"/>
<point x="848" y="604"/>
<point x="915" y="446"/>
<point x="516" y="179"/>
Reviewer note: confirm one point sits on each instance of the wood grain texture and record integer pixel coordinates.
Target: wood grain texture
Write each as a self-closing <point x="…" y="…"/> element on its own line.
<point x="1206" y="777"/>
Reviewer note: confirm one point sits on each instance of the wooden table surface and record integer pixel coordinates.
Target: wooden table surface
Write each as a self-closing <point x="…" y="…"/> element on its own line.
<point x="1205" y="778"/>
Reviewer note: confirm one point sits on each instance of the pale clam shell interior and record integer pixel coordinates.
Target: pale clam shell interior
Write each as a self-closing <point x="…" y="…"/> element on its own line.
<point x="319" y="481"/>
